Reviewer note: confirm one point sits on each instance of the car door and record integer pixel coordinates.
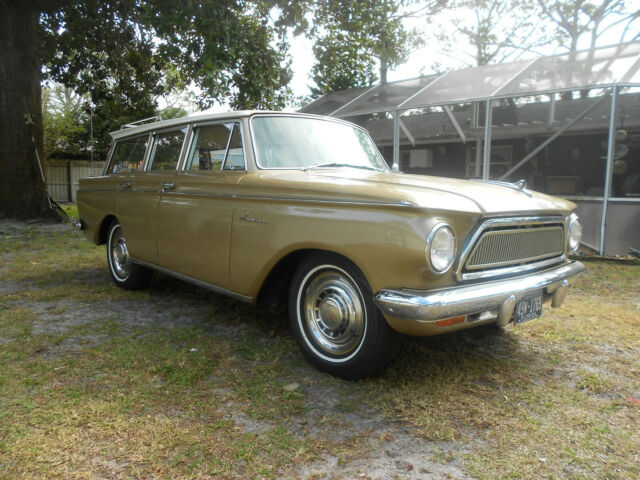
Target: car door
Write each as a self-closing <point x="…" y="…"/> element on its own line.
<point x="195" y="214"/>
<point x="140" y="193"/>
<point x="127" y="166"/>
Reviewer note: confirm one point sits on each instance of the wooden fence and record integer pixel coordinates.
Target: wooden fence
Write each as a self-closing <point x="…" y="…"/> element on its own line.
<point x="63" y="177"/>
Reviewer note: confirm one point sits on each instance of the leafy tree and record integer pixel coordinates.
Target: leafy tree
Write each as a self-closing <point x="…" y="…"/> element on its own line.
<point x="341" y="63"/>
<point x="65" y="122"/>
<point x="497" y="30"/>
<point x="171" y="112"/>
<point x="577" y="19"/>
<point x="120" y="53"/>
<point x="351" y="39"/>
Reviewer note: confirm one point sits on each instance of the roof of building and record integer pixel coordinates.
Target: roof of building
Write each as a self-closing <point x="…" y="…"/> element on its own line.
<point x="509" y="119"/>
<point x="587" y="69"/>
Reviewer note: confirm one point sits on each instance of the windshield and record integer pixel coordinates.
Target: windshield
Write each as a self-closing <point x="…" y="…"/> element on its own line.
<point x="305" y="143"/>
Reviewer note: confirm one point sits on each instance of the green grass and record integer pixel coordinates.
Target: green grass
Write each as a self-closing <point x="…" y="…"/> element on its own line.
<point x="548" y="399"/>
<point x="176" y="382"/>
<point x="71" y="210"/>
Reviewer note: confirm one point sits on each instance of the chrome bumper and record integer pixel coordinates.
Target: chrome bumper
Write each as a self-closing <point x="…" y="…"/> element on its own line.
<point x="500" y="295"/>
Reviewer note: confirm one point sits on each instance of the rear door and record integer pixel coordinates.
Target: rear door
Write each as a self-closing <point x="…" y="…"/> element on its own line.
<point x="140" y="193"/>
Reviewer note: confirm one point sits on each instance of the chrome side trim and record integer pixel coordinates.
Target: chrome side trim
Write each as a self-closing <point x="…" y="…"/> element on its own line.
<point x="505" y="222"/>
<point x="228" y="196"/>
<point x="194" y="281"/>
<point x="323" y="201"/>
<point x="466" y="300"/>
<point x="233" y="196"/>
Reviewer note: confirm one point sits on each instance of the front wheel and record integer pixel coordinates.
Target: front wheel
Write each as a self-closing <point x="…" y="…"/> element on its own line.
<point x="124" y="272"/>
<point x="334" y="319"/>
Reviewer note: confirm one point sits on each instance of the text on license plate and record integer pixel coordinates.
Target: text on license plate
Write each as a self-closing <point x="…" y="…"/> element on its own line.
<point x="528" y="308"/>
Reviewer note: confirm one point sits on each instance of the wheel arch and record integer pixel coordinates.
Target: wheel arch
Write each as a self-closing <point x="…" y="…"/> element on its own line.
<point x="275" y="287"/>
<point x="103" y="230"/>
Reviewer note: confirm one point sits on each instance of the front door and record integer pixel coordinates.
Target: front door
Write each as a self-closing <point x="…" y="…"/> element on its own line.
<point x="195" y="214"/>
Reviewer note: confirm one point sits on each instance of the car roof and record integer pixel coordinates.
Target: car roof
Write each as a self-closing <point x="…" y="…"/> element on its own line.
<point x="132" y="131"/>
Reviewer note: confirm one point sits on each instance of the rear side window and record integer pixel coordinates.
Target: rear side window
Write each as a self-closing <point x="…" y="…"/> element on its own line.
<point x="166" y="150"/>
<point x="128" y="155"/>
<point x="216" y="147"/>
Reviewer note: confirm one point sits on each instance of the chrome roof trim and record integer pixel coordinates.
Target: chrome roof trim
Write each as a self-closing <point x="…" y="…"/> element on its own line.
<point x="192" y="118"/>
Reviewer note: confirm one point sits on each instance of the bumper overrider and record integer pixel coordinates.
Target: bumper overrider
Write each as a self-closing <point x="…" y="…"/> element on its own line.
<point x="418" y="312"/>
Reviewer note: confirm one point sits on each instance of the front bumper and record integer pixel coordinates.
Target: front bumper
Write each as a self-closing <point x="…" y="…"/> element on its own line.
<point x="415" y="312"/>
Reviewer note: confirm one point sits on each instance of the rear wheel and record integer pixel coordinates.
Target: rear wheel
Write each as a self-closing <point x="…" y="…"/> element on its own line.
<point x="124" y="272"/>
<point x="334" y="319"/>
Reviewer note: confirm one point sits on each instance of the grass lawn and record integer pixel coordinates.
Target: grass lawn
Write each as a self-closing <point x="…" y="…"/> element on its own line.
<point x="178" y="382"/>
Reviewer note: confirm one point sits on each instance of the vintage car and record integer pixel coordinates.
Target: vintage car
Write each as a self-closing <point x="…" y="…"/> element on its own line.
<point x="303" y="210"/>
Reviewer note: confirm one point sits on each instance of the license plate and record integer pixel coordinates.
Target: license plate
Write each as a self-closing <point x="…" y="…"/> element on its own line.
<point x="528" y="308"/>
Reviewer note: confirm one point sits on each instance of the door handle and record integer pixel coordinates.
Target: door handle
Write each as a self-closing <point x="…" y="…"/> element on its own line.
<point x="167" y="186"/>
<point x="125" y="185"/>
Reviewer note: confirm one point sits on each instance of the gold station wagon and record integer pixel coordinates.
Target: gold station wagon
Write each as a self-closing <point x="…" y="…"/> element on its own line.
<point x="303" y="210"/>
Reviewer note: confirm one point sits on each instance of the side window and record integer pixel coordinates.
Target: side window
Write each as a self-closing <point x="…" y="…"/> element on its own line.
<point x="128" y="155"/>
<point x="210" y="147"/>
<point x="235" y="154"/>
<point x="166" y="150"/>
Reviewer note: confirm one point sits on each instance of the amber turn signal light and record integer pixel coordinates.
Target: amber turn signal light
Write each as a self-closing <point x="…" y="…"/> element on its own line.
<point x="448" y="322"/>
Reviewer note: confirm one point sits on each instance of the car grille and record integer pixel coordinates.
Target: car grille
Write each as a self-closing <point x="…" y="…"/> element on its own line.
<point x="515" y="246"/>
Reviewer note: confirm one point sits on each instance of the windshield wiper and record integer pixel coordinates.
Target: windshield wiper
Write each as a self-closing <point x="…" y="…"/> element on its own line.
<point x="334" y="164"/>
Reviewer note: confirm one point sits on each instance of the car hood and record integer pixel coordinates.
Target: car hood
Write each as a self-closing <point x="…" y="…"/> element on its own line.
<point x="346" y="184"/>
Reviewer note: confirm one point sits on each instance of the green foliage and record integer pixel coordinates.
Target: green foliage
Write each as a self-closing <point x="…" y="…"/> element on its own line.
<point x="125" y="54"/>
<point x="171" y="112"/>
<point x="225" y="47"/>
<point x="351" y="38"/>
<point x="98" y="50"/>
<point x="340" y="64"/>
<point x="65" y="122"/>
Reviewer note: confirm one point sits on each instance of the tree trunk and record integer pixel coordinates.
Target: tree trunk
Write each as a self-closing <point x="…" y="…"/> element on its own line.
<point x="384" y="68"/>
<point x="22" y="192"/>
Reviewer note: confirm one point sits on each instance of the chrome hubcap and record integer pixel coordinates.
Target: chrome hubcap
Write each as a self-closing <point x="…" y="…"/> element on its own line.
<point x="334" y="312"/>
<point x="119" y="254"/>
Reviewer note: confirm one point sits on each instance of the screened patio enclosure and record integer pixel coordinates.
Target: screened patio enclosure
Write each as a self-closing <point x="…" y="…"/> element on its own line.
<point x="568" y="124"/>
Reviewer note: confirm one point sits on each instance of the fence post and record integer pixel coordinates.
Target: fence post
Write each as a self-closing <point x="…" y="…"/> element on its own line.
<point x="69" y="185"/>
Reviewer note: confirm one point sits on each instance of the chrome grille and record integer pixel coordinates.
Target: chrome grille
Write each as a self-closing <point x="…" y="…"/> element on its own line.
<point x="497" y="248"/>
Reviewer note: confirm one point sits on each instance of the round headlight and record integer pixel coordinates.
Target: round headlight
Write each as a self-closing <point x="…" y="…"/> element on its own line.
<point x="575" y="232"/>
<point x="441" y="248"/>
